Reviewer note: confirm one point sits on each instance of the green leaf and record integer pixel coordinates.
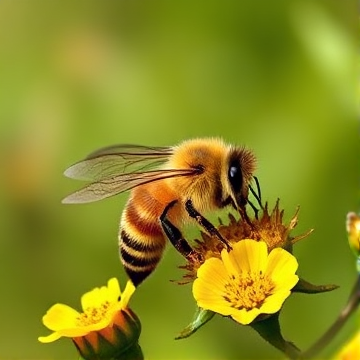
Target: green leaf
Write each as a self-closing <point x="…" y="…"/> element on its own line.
<point x="269" y="330"/>
<point x="305" y="287"/>
<point x="201" y="317"/>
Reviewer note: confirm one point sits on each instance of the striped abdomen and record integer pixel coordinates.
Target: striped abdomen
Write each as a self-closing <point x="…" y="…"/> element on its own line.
<point x="141" y="240"/>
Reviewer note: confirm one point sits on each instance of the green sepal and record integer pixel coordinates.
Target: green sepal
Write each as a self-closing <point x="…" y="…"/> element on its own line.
<point x="201" y="317"/>
<point x="133" y="352"/>
<point x="86" y="352"/>
<point x="269" y="330"/>
<point x="305" y="287"/>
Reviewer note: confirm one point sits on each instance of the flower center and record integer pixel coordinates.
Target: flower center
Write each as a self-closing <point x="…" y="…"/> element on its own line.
<point x="248" y="290"/>
<point x="93" y="315"/>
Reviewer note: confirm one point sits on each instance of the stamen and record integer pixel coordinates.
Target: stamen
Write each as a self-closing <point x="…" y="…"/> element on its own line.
<point x="93" y="315"/>
<point x="248" y="291"/>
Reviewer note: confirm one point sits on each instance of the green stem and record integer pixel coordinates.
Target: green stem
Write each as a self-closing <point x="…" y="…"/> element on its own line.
<point x="350" y="307"/>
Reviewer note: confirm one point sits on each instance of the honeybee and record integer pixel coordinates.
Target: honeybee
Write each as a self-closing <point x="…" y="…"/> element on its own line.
<point x="168" y="187"/>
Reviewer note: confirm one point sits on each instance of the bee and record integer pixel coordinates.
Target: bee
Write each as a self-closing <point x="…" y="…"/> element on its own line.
<point x="168" y="186"/>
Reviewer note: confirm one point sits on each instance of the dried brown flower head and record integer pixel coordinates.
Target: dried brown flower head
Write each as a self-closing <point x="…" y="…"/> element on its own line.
<point x="268" y="227"/>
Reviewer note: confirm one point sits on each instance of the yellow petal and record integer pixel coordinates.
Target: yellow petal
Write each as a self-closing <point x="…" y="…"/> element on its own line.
<point x="210" y="298"/>
<point x="91" y="299"/>
<point x="209" y="287"/>
<point x="75" y="332"/>
<point x="245" y="317"/>
<point x="229" y="261"/>
<point x="286" y="283"/>
<point x="222" y="309"/>
<point x="98" y="296"/>
<point x="212" y="267"/>
<point x="126" y="295"/>
<point x="59" y="317"/>
<point x="257" y="255"/>
<point x="274" y="302"/>
<point x="212" y="274"/>
<point x="281" y="264"/>
<point x="247" y="256"/>
<point x="113" y="290"/>
<point x="50" y="338"/>
<point x="207" y="296"/>
<point x="204" y="288"/>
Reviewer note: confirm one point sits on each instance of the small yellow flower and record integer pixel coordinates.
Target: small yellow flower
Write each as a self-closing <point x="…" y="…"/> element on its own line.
<point x="246" y="282"/>
<point x="353" y="230"/>
<point x="105" y="317"/>
<point x="351" y="350"/>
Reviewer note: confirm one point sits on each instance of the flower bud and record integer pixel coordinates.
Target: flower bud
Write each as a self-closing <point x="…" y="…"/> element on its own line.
<point x="114" y="341"/>
<point x="353" y="230"/>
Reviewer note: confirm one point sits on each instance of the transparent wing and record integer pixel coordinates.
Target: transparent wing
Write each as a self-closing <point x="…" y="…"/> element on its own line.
<point x="111" y="186"/>
<point x="118" y="159"/>
<point x="131" y="150"/>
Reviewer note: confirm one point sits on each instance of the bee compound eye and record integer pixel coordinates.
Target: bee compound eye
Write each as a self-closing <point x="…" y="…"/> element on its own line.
<point x="235" y="176"/>
<point x="233" y="172"/>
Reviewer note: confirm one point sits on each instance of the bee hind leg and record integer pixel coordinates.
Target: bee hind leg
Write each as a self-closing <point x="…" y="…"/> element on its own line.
<point x="175" y="236"/>
<point x="206" y="224"/>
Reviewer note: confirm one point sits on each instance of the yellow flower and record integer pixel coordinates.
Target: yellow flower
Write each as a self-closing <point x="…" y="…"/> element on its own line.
<point x="351" y="350"/>
<point x="105" y="318"/>
<point x="353" y="230"/>
<point x="246" y="282"/>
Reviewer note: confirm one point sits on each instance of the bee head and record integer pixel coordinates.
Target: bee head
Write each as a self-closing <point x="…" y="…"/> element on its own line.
<point x="240" y="168"/>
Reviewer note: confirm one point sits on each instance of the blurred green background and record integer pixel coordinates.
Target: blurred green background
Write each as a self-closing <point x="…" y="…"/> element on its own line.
<point x="278" y="76"/>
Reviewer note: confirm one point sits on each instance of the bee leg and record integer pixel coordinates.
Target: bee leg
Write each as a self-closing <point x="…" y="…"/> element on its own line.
<point x="245" y="216"/>
<point x="175" y="236"/>
<point x="257" y="196"/>
<point x="206" y="224"/>
<point x="255" y="209"/>
<point x="257" y="193"/>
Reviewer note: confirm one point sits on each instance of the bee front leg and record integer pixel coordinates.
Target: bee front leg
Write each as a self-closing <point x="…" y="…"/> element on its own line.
<point x="206" y="224"/>
<point x="175" y="236"/>
<point x="257" y="196"/>
<point x="245" y="216"/>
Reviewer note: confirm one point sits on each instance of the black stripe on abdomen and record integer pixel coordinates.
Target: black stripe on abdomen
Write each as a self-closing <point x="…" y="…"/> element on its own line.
<point x="137" y="277"/>
<point x="139" y="258"/>
<point x="138" y="261"/>
<point x="139" y="245"/>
